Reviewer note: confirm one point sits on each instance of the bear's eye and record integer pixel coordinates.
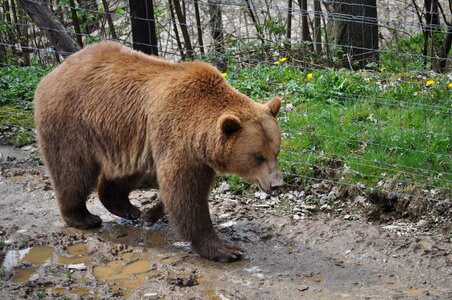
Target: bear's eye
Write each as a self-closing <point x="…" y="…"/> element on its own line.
<point x="259" y="158"/>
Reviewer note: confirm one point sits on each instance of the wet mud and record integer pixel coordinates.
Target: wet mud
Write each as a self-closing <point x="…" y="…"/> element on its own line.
<point x="319" y="256"/>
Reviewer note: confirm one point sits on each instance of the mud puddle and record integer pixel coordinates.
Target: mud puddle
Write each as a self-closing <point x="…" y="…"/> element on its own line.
<point x="320" y="257"/>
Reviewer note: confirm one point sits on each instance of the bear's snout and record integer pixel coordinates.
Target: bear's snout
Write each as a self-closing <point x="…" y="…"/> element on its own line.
<point x="272" y="182"/>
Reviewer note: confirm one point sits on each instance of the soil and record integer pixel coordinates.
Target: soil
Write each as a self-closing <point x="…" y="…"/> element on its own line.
<point x="292" y="252"/>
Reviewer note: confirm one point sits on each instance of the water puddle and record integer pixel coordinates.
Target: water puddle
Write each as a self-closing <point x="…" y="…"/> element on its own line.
<point x="214" y="295"/>
<point x="135" y="235"/>
<point x="170" y="260"/>
<point x="32" y="258"/>
<point x="23" y="274"/>
<point x="315" y="277"/>
<point x="129" y="271"/>
<point x="81" y="291"/>
<point x="78" y="249"/>
<point x="413" y="292"/>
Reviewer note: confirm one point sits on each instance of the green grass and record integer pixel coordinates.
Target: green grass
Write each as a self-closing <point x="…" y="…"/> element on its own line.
<point x="381" y="125"/>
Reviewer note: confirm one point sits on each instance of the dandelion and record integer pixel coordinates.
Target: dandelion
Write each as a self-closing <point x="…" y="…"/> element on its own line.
<point x="450" y="85"/>
<point x="276" y="63"/>
<point x="430" y="82"/>
<point x="382" y="69"/>
<point x="282" y="59"/>
<point x="224" y="75"/>
<point x="309" y="76"/>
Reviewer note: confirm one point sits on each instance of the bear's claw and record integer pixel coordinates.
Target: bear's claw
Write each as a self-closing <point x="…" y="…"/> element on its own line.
<point x="221" y="252"/>
<point x="86" y="222"/>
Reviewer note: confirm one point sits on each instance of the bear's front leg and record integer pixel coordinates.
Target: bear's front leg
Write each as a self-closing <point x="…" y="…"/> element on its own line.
<point x="184" y="193"/>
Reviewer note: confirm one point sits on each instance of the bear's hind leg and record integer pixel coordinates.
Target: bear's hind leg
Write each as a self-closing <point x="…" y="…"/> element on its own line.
<point x="155" y="213"/>
<point x="114" y="195"/>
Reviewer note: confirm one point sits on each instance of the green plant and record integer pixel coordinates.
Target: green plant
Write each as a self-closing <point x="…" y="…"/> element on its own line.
<point x="2" y="273"/>
<point x="68" y="273"/>
<point x="41" y="294"/>
<point x="17" y="84"/>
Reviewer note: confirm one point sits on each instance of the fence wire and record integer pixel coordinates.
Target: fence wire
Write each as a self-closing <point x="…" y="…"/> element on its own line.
<point x="382" y="132"/>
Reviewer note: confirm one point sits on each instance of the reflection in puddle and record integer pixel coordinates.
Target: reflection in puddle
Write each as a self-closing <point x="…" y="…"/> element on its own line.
<point x="13" y="257"/>
<point x="35" y="256"/>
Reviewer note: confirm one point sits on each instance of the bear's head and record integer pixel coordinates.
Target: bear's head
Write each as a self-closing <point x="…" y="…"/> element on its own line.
<point x="251" y="145"/>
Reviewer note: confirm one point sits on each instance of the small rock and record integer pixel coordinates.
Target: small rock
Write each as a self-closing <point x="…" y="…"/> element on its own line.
<point x="150" y="296"/>
<point x="79" y="267"/>
<point x="308" y="207"/>
<point x="360" y="200"/>
<point x="325" y="207"/>
<point x="303" y="288"/>
<point x="261" y="195"/>
<point x="224" y="187"/>
<point x="347" y="217"/>
<point x="296" y="217"/>
<point x="227" y="224"/>
<point x="421" y="223"/>
<point x="426" y="245"/>
<point x="348" y="252"/>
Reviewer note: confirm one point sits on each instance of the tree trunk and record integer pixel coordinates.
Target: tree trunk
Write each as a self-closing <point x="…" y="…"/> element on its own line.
<point x="445" y="49"/>
<point x="176" y="31"/>
<point x="259" y="29"/>
<point x="317" y="28"/>
<point x="289" y="20"/>
<point x="216" y="27"/>
<point x="75" y="22"/>
<point x="305" y="35"/>
<point x="50" y="26"/>
<point x="199" y="26"/>
<point x="111" y="26"/>
<point x="354" y="27"/>
<point x="183" y="27"/>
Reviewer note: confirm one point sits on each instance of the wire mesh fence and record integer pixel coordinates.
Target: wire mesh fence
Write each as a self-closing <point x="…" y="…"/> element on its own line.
<point x="366" y="84"/>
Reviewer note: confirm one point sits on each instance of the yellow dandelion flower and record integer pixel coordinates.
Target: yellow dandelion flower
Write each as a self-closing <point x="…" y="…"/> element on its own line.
<point x="309" y="76"/>
<point x="276" y="63"/>
<point x="430" y="82"/>
<point x="224" y="75"/>
<point x="282" y="59"/>
<point x="382" y="69"/>
<point x="450" y="85"/>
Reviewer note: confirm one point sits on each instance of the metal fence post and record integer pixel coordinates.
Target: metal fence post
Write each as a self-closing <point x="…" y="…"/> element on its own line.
<point x="143" y="26"/>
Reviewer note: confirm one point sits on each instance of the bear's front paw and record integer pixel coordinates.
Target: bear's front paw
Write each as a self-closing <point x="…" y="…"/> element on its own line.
<point x="220" y="251"/>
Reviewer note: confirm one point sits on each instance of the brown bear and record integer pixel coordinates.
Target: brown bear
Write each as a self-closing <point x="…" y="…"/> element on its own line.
<point x="109" y="116"/>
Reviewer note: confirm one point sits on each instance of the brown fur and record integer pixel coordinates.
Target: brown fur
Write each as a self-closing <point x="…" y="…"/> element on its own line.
<point x="108" y="116"/>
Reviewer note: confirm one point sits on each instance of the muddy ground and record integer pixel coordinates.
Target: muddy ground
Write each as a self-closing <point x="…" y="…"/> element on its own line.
<point x="292" y="252"/>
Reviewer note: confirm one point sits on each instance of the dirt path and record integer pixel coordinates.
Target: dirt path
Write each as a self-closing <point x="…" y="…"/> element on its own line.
<point x="317" y="257"/>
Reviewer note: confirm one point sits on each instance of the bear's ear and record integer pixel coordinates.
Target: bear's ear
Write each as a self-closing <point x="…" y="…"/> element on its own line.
<point x="274" y="105"/>
<point x="229" y="123"/>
